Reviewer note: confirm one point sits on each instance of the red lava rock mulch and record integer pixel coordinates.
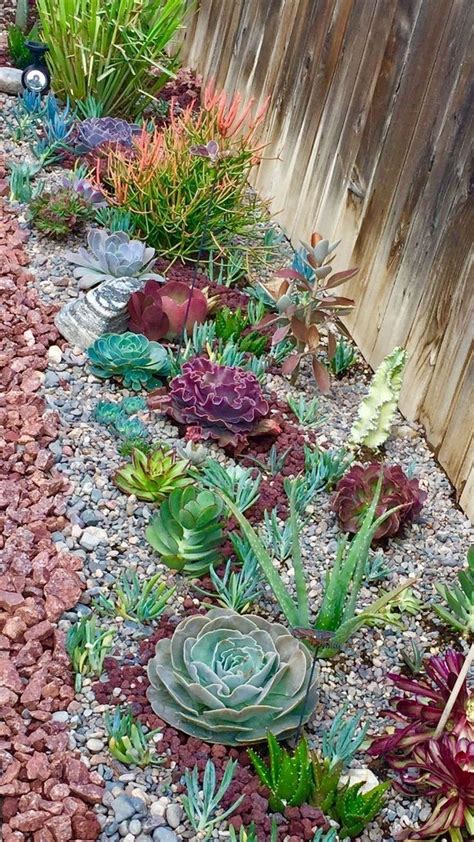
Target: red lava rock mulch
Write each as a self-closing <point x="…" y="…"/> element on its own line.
<point x="46" y="792"/>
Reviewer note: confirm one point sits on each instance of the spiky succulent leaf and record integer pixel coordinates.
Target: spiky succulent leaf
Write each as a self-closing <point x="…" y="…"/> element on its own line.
<point x="376" y="411"/>
<point x="289" y="777"/>
<point x="229" y="679"/>
<point x="355" y="809"/>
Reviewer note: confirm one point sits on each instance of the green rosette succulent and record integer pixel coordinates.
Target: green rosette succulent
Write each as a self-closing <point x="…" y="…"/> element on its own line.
<point x="229" y="679"/>
<point x="130" y="357"/>
<point x="152" y="477"/>
<point x="187" y="531"/>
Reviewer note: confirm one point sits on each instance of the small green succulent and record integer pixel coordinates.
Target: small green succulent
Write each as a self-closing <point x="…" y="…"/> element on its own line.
<point x="87" y="646"/>
<point x="187" y="530"/>
<point x="459" y="612"/>
<point x="230" y="323"/>
<point x="137" y="600"/>
<point x="253" y="343"/>
<point x="128" y="741"/>
<point x="151" y="477"/>
<point x="130" y="357"/>
<point x="344" y="357"/>
<point x="354" y="809"/>
<point x="288" y="776"/>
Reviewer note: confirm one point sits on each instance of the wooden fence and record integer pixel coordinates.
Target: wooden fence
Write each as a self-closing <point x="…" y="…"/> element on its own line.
<point x="369" y="132"/>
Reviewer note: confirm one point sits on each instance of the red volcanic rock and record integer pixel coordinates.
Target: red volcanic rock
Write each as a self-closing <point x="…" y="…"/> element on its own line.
<point x="38" y="767"/>
<point x="10" y="599"/>
<point x="9" y="676"/>
<point x="29" y="821"/>
<point x="85" y="827"/>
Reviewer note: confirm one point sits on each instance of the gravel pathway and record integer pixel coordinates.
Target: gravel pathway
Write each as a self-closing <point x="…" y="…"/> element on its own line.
<point x="106" y="528"/>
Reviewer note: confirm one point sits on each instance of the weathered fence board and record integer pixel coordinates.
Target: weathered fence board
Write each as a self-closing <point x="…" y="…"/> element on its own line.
<point x="369" y="140"/>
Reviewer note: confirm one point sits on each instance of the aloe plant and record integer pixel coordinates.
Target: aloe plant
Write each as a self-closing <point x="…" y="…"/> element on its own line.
<point x="128" y="742"/>
<point x="459" y="612"/>
<point x="288" y="776"/>
<point x="135" y="599"/>
<point x="87" y="646"/>
<point x="354" y="809"/>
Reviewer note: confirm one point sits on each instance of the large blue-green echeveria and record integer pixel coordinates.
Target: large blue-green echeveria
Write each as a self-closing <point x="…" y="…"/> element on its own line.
<point x="230" y="679"/>
<point x="130" y="357"/>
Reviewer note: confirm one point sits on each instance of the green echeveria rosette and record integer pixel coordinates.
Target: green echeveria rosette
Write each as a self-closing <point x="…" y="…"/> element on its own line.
<point x="130" y="357"/>
<point x="227" y="678"/>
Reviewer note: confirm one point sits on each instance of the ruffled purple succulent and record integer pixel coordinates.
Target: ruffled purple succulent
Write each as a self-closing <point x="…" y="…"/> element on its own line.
<point x="97" y="131"/>
<point x="355" y="491"/>
<point x="217" y="401"/>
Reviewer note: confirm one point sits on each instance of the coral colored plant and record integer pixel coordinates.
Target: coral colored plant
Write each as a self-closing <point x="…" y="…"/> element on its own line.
<point x="182" y="200"/>
<point x="217" y="401"/>
<point x="162" y="311"/>
<point x="355" y="492"/>
<point x="440" y="767"/>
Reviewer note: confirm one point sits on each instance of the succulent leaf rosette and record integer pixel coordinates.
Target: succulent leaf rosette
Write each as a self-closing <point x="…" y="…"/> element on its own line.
<point x="129" y="357"/>
<point x="112" y="256"/>
<point x="230" y="679"/>
<point x="217" y="401"/>
<point x="97" y="131"/>
<point x="162" y="311"/>
<point x="356" y="489"/>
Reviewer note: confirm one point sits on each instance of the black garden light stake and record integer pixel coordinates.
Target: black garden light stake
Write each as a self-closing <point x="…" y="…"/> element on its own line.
<point x="36" y="77"/>
<point x="317" y="638"/>
<point x="210" y="151"/>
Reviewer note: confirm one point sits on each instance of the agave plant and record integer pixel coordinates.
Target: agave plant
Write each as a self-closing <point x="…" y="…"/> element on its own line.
<point x="218" y="402"/>
<point x="355" y="492"/>
<point x="164" y="311"/>
<point x="459" y="612"/>
<point x="187" y="530"/>
<point x="229" y="679"/>
<point x="151" y="477"/>
<point x="112" y="256"/>
<point x="128" y="357"/>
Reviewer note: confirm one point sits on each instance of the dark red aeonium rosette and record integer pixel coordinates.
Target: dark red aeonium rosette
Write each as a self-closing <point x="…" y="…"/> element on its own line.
<point x="355" y="492"/>
<point x="217" y="401"/>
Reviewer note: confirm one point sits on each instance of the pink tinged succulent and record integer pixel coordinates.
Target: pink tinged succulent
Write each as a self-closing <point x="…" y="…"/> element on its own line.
<point x="161" y="311"/>
<point x="217" y="401"/>
<point x="356" y="489"/>
<point x="420" y="709"/>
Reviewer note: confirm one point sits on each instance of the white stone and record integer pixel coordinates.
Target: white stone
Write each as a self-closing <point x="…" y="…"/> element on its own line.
<point x="10" y="80"/>
<point x="357" y="776"/>
<point x="55" y="354"/>
<point x="92" y="537"/>
<point x="157" y="809"/>
<point x="95" y="745"/>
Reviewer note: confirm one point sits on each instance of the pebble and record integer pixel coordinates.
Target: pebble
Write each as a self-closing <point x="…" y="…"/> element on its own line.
<point x="95" y="745"/>
<point x="135" y="827"/>
<point x="163" y="834"/>
<point x="174" y="815"/>
<point x="92" y="537"/>
<point x="123" y="807"/>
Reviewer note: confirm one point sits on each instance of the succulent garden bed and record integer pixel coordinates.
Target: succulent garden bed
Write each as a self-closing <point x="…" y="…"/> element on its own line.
<point x="177" y="600"/>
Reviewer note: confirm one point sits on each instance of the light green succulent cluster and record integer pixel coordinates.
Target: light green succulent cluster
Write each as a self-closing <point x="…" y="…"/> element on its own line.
<point x="187" y="530"/>
<point x="130" y="357"/>
<point x="372" y="427"/>
<point x="152" y="476"/>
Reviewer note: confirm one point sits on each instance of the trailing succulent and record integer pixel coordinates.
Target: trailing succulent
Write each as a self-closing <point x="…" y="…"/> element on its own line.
<point x="355" y="492"/>
<point x="97" y="131"/>
<point x="375" y="415"/>
<point x="163" y="311"/>
<point x="438" y="766"/>
<point x="151" y="477"/>
<point x="217" y="401"/>
<point x="112" y="256"/>
<point x="187" y="531"/>
<point x="129" y="357"/>
<point x="229" y="679"/>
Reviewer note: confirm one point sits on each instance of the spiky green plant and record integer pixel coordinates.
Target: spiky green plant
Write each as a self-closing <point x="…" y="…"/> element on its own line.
<point x="187" y="531"/>
<point x="87" y="646"/>
<point x="307" y="412"/>
<point x="107" y="50"/>
<point x="375" y="415"/>
<point x="115" y="219"/>
<point x="238" y="483"/>
<point x="328" y="465"/>
<point x="412" y="656"/>
<point x="288" y="776"/>
<point x="354" y="809"/>
<point x="137" y="600"/>
<point x="230" y="323"/>
<point x="342" y="741"/>
<point x="201" y="801"/>
<point x="238" y="590"/>
<point x="128" y="742"/>
<point x="343" y="359"/>
<point x="21" y="188"/>
<point x="459" y="611"/>
<point x="152" y="476"/>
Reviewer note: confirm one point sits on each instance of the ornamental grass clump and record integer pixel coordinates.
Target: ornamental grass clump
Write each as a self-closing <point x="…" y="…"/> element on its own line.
<point x="355" y="491"/>
<point x="114" y="51"/>
<point x="217" y="401"/>
<point x="229" y="679"/>
<point x="182" y="199"/>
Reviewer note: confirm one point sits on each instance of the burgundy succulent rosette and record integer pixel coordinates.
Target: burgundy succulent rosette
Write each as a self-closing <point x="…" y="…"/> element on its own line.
<point x="161" y="311"/>
<point x="217" y="401"/>
<point x="355" y="491"/>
